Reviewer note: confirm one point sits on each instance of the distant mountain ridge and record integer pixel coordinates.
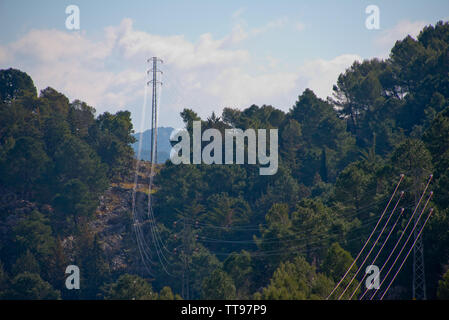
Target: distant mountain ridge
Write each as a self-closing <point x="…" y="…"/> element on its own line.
<point x="163" y="144"/>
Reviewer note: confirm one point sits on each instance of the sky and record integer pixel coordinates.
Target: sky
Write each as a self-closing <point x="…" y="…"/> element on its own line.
<point x="215" y="54"/>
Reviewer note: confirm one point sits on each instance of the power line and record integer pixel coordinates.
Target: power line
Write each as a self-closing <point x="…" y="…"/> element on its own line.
<point x="372" y="247"/>
<point x="403" y="232"/>
<point x="369" y="238"/>
<point x="380" y="250"/>
<point x="408" y="253"/>
<point x="402" y="249"/>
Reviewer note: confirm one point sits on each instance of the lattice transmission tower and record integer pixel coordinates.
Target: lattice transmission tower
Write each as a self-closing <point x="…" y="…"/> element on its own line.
<point x="419" y="275"/>
<point x="154" y="70"/>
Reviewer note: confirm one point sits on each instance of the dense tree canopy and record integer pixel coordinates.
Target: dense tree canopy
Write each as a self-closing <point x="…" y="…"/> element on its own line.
<point x="227" y="231"/>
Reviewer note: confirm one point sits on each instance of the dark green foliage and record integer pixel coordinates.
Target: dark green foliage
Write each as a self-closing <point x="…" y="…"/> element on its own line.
<point x="30" y="286"/>
<point x="322" y="132"/>
<point x="15" y="84"/>
<point x="50" y="155"/>
<point x="336" y="262"/>
<point x="26" y="263"/>
<point x="166" y="294"/>
<point x="239" y="267"/>
<point x="25" y="163"/>
<point x="34" y="234"/>
<point x="3" y="281"/>
<point x="112" y="138"/>
<point x="443" y="287"/>
<point x="229" y="232"/>
<point x="92" y="262"/>
<point x="436" y="139"/>
<point x="297" y="280"/>
<point x="48" y="144"/>
<point x="340" y="160"/>
<point x="218" y="286"/>
<point x="130" y="287"/>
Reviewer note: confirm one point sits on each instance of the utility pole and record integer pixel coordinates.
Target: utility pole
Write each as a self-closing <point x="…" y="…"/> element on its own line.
<point x="155" y="82"/>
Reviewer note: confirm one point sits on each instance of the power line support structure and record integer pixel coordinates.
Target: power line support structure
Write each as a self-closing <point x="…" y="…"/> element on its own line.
<point x="155" y="82"/>
<point x="419" y="275"/>
<point x="419" y="278"/>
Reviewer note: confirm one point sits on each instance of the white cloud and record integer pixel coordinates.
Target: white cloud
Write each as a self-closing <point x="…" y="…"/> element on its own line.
<point x="206" y="75"/>
<point x="54" y="45"/>
<point x="320" y="75"/>
<point x="175" y="49"/>
<point x="388" y="37"/>
<point x="79" y="67"/>
<point x="71" y="63"/>
<point x="235" y="87"/>
<point x="237" y="35"/>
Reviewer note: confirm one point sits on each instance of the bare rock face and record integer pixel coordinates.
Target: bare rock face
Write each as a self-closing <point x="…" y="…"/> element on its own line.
<point x="113" y="226"/>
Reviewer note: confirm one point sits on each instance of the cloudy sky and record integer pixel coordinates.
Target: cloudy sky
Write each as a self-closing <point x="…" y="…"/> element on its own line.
<point x="216" y="53"/>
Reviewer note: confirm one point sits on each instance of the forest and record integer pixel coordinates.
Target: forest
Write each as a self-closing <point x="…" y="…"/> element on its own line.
<point x="225" y="231"/>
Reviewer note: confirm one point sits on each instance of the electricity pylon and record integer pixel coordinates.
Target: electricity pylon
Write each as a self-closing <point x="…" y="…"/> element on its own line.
<point x="155" y="82"/>
<point x="419" y="278"/>
<point x="419" y="275"/>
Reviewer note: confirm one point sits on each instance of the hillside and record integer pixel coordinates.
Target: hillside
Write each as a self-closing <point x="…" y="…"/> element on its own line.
<point x="224" y="231"/>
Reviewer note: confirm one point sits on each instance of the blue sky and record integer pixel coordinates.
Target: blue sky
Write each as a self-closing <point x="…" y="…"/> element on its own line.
<point x="217" y="53"/>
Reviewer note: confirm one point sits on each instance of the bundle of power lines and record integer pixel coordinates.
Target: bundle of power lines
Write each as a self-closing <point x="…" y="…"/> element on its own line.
<point x="340" y="289"/>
